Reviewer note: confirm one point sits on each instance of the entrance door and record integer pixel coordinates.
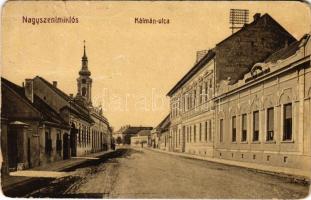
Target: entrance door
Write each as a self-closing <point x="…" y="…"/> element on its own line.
<point x="73" y="140"/>
<point x="12" y="149"/>
<point x="28" y="153"/>
<point x="65" y="146"/>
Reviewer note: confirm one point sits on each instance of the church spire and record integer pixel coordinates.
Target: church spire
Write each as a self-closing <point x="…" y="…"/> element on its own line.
<point x="84" y="70"/>
<point x="84" y="80"/>
<point x="84" y="53"/>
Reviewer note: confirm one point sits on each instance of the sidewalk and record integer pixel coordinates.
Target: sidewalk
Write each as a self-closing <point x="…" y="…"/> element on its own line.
<point x="8" y="181"/>
<point x="283" y="171"/>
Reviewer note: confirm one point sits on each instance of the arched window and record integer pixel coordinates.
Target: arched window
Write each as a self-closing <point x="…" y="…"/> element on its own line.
<point x="83" y="91"/>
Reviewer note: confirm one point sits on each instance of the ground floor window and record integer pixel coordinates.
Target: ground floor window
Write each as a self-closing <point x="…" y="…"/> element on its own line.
<point x="210" y="130"/>
<point x="270" y="124"/>
<point x="244" y="128"/>
<point x="234" y="129"/>
<point x="200" y="132"/>
<point x="194" y="133"/>
<point x="205" y="131"/>
<point x="221" y="130"/>
<point x="287" y="122"/>
<point x="255" y="126"/>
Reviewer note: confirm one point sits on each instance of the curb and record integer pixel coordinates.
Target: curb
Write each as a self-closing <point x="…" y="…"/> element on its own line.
<point x="294" y="177"/>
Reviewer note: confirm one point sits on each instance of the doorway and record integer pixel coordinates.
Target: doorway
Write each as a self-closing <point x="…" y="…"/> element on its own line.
<point x="65" y="146"/>
<point x="12" y="150"/>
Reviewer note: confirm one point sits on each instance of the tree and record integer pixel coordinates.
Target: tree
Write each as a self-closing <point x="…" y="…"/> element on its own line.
<point x="119" y="140"/>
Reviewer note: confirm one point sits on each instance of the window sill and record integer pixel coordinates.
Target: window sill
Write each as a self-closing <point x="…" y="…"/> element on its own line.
<point x="287" y="141"/>
<point x="270" y="142"/>
<point x="255" y="142"/>
<point x="244" y="142"/>
<point x="233" y="142"/>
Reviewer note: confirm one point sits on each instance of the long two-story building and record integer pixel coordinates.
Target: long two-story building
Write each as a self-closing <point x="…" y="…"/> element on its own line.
<point x="223" y="106"/>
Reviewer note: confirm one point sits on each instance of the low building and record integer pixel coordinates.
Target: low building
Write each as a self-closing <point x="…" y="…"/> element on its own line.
<point x="141" y="139"/>
<point x="129" y="131"/>
<point x="32" y="133"/>
<point x="159" y="136"/>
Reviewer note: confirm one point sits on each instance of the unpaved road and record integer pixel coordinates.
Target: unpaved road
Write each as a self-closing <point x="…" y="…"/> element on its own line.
<point x="149" y="174"/>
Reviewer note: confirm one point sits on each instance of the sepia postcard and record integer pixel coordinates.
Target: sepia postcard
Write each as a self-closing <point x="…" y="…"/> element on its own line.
<point x="156" y="99"/>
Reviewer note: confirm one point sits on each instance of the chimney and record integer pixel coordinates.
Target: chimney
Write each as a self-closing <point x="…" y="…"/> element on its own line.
<point x="256" y="16"/>
<point x="29" y="89"/>
<point x="201" y="54"/>
<point x="55" y="84"/>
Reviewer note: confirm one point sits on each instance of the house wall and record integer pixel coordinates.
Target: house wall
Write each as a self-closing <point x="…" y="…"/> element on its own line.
<point x="55" y="154"/>
<point x="288" y="87"/>
<point x="89" y="138"/>
<point x="164" y="140"/>
<point x="191" y="106"/>
<point x="4" y="146"/>
<point x="137" y="140"/>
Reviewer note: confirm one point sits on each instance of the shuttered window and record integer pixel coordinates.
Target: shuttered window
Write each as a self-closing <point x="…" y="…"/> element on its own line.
<point x="206" y="131"/>
<point x="210" y="130"/>
<point x="234" y="129"/>
<point x="221" y="130"/>
<point x="287" y="132"/>
<point x="244" y="128"/>
<point x="256" y="126"/>
<point x="270" y="124"/>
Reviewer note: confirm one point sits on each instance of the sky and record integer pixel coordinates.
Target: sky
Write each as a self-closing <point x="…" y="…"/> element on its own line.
<point x="133" y="65"/>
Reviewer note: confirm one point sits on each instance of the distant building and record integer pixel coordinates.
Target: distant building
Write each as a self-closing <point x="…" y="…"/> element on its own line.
<point x="129" y="131"/>
<point x="159" y="135"/>
<point x="141" y="139"/>
<point x="247" y="99"/>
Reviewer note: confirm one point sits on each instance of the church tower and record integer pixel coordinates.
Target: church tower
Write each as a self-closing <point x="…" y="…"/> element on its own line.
<point x="84" y="81"/>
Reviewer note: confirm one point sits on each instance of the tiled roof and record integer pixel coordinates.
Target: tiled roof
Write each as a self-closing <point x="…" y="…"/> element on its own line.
<point x="48" y="114"/>
<point x="144" y="133"/>
<point x="164" y="124"/>
<point x="199" y="65"/>
<point x="286" y="51"/>
<point x="212" y="53"/>
<point x="247" y="26"/>
<point x="79" y="109"/>
<point x="134" y="130"/>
